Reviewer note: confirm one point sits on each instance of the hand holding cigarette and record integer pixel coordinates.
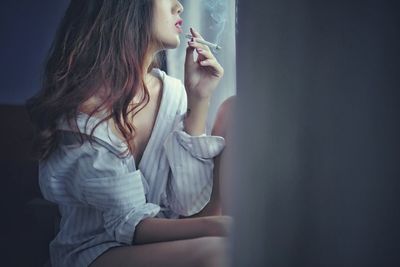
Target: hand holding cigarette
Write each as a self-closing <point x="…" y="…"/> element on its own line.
<point x="215" y="46"/>
<point x="203" y="74"/>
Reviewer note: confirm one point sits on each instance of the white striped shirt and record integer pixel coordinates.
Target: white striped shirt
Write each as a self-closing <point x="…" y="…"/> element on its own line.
<point x="103" y="196"/>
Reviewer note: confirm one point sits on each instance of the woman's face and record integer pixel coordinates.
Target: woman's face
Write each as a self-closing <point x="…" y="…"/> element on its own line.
<point x="167" y="23"/>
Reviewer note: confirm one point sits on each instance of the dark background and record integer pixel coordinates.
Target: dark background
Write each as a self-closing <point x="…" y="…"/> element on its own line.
<point x="26" y="29"/>
<point x="318" y="167"/>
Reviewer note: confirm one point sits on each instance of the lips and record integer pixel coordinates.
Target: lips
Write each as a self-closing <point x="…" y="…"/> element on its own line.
<point x="178" y="25"/>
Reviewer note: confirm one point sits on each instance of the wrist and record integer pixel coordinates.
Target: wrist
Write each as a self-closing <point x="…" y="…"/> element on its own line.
<point x="196" y="116"/>
<point x="194" y="100"/>
<point x="197" y="105"/>
<point x="194" y="122"/>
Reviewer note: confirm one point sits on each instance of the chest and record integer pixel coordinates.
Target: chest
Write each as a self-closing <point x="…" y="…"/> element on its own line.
<point x="144" y="123"/>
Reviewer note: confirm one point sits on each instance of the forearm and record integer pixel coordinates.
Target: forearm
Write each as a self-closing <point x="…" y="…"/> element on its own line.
<point x="196" y="117"/>
<point x="159" y="229"/>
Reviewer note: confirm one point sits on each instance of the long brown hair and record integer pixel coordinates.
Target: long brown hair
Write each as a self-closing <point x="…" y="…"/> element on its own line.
<point x="99" y="44"/>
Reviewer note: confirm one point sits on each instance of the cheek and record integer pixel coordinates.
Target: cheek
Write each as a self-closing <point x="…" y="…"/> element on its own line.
<point x="158" y="26"/>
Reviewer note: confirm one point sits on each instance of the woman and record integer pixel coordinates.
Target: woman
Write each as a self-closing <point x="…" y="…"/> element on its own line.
<point x="122" y="145"/>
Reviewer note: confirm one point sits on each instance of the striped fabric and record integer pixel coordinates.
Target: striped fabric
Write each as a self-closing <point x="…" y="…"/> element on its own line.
<point x="102" y="196"/>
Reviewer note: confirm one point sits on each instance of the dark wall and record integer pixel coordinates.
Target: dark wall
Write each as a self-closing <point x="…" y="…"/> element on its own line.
<point x="318" y="173"/>
<point x="26" y="29"/>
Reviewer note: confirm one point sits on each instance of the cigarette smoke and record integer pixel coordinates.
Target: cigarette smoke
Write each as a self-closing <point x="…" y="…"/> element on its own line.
<point x="217" y="10"/>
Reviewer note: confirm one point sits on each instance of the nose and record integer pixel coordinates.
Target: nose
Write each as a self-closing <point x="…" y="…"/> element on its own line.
<point x="179" y="7"/>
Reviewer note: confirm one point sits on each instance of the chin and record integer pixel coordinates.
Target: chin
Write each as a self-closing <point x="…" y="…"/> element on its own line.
<point x="172" y="44"/>
<point x="176" y="45"/>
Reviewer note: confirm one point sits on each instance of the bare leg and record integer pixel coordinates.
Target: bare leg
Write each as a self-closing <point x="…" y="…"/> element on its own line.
<point x="220" y="193"/>
<point x="198" y="252"/>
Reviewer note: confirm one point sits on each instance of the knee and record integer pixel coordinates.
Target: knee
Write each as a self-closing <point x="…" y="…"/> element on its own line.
<point x="224" y="118"/>
<point x="212" y="252"/>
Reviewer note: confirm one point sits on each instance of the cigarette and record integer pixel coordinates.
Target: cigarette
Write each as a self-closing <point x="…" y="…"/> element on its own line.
<point x="215" y="46"/>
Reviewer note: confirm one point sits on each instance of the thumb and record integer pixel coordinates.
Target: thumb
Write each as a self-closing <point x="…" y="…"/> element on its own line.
<point x="189" y="60"/>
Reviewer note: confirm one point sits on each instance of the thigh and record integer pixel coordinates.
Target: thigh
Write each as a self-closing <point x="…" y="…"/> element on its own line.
<point x="190" y="252"/>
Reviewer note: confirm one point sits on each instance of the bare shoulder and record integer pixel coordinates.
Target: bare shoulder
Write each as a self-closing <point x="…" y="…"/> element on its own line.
<point x="223" y="120"/>
<point x="226" y="109"/>
<point x="228" y="104"/>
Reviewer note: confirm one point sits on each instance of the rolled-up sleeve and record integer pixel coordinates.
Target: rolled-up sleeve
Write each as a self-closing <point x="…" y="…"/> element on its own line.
<point x="118" y="193"/>
<point x="191" y="166"/>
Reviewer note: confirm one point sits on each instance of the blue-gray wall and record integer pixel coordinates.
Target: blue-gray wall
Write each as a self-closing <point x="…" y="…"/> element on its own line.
<point x="318" y="173"/>
<point x="27" y="28"/>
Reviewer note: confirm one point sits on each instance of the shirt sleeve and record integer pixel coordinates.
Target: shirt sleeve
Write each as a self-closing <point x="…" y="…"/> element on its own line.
<point x="191" y="165"/>
<point x="117" y="192"/>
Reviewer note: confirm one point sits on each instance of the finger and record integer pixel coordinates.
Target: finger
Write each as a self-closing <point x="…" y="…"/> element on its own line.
<point x="196" y="33"/>
<point x="197" y="36"/>
<point x="217" y="70"/>
<point x="208" y="62"/>
<point x="189" y="55"/>
<point x="198" y="45"/>
<point x="206" y="54"/>
<point x="213" y="63"/>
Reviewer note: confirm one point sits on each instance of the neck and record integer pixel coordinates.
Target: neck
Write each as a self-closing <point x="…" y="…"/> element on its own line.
<point x="146" y="68"/>
<point x="150" y="55"/>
